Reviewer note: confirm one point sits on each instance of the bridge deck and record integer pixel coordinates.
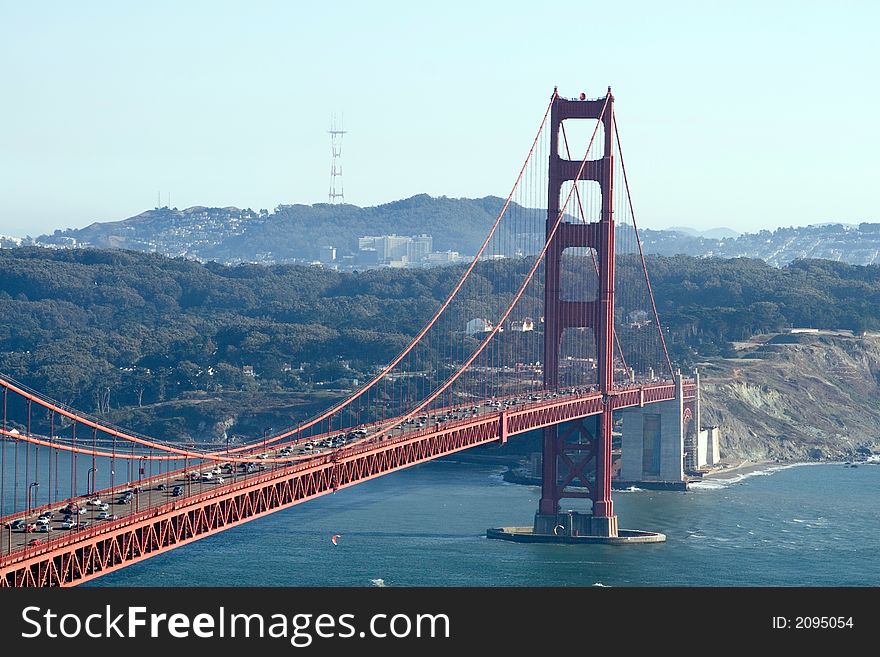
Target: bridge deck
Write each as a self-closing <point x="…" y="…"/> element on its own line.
<point x="155" y="521"/>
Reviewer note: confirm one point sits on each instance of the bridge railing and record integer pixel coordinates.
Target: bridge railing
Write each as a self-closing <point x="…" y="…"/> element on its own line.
<point x="554" y="409"/>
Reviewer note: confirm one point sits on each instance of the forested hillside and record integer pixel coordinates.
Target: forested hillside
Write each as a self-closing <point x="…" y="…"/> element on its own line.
<point x="113" y="330"/>
<point x="709" y="302"/>
<point x="290" y="232"/>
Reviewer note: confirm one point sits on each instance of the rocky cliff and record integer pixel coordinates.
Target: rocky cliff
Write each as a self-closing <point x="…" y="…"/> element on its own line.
<point x="796" y="397"/>
<point x="792" y="398"/>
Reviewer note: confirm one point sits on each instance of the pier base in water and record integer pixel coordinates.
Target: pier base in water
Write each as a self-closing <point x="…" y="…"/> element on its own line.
<point x="574" y="527"/>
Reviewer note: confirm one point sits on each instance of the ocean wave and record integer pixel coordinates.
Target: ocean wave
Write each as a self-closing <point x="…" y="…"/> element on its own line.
<point x="500" y="481"/>
<point x="707" y="485"/>
<point x="719" y="482"/>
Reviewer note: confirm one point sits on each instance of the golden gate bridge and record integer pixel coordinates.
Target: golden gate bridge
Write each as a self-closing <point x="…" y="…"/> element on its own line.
<point x="552" y="327"/>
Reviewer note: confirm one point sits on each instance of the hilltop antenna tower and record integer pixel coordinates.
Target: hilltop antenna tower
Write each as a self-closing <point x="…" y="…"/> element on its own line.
<point x="336" y="132"/>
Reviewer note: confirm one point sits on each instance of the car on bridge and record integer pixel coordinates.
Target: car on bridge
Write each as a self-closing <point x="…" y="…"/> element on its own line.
<point x="33" y="542"/>
<point x="74" y="524"/>
<point x="15" y="524"/>
<point x="106" y="515"/>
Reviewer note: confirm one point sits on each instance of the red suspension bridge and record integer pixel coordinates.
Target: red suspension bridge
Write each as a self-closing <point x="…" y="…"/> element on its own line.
<point x="551" y="327"/>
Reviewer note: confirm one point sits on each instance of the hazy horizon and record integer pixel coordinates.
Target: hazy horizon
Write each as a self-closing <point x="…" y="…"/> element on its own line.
<point x="702" y="230"/>
<point x="753" y="116"/>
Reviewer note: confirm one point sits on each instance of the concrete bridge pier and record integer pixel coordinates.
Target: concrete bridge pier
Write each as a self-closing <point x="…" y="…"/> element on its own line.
<point x="587" y="442"/>
<point x="662" y="444"/>
<point x="573" y="523"/>
<point x="653" y="441"/>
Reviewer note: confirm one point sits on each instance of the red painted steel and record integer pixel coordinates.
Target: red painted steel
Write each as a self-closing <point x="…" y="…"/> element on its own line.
<point x="85" y="554"/>
<point x="71" y="560"/>
<point x="603" y="507"/>
<point x="597" y="314"/>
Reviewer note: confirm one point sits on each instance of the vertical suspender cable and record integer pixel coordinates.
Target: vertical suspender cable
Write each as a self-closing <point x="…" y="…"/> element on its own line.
<point x="53" y="496"/>
<point x="15" y="476"/>
<point x="113" y="466"/>
<point x="36" y="471"/>
<point x="642" y="253"/>
<point x="591" y="204"/>
<point x="528" y="278"/>
<point x="27" y="452"/>
<point x="3" y="444"/>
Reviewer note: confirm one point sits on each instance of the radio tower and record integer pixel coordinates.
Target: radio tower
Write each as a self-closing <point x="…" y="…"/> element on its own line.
<point x="336" y="132"/>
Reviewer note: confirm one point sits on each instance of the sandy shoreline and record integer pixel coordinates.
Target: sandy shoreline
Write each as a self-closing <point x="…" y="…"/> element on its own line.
<point x="744" y="467"/>
<point x="733" y="471"/>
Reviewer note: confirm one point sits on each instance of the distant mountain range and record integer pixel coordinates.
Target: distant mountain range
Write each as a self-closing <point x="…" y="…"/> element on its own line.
<point x="291" y="233"/>
<point x="296" y="233"/>
<point x="855" y="245"/>
<point x="712" y="233"/>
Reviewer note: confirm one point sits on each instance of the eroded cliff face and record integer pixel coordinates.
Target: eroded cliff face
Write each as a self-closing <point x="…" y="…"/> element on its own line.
<point x="817" y="397"/>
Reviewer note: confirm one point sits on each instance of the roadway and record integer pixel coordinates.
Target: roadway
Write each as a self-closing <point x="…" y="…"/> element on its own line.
<point x="78" y="516"/>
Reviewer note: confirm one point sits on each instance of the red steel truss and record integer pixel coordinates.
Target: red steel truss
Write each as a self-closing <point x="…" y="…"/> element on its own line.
<point x="597" y="314"/>
<point x="68" y="561"/>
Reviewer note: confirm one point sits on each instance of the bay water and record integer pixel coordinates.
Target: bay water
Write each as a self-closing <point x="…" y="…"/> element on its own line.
<point x="806" y="525"/>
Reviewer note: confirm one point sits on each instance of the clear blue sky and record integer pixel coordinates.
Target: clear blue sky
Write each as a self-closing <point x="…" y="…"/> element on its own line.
<point x="743" y="114"/>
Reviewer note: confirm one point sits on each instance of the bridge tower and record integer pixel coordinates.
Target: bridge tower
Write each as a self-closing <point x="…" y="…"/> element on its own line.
<point x="577" y="445"/>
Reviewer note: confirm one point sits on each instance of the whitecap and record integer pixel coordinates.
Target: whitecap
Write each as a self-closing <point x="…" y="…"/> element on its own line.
<point x="378" y="582"/>
<point x="707" y="485"/>
<point x="722" y="481"/>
